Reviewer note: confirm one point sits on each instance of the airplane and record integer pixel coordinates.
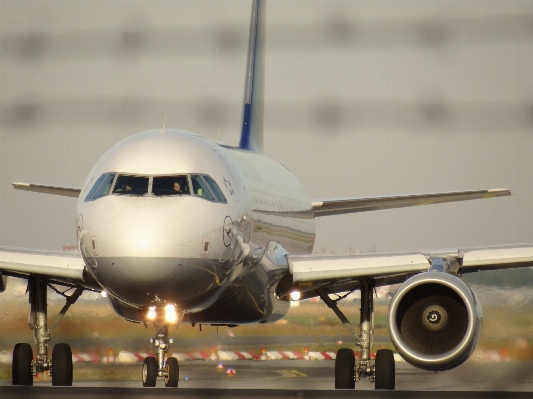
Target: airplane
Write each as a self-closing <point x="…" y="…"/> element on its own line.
<point x="176" y="228"/>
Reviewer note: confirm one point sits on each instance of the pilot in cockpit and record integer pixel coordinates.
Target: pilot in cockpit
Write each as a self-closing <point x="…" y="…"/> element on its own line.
<point x="177" y="188"/>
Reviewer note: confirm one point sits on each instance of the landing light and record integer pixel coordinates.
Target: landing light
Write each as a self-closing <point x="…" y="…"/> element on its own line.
<point x="170" y="314"/>
<point x="151" y="313"/>
<point x="295" y="295"/>
<point x="104" y="294"/>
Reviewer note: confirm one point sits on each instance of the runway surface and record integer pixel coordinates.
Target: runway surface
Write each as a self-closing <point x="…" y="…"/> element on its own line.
<point x="148" y="393"/>
<point x="295" y="380"/>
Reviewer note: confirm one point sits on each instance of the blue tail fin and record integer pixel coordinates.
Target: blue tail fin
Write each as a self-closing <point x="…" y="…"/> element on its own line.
<point x="253" y="109"/>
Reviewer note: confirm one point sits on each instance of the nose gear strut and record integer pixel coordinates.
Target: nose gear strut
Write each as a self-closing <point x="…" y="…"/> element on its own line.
<point x="160" y="367"/>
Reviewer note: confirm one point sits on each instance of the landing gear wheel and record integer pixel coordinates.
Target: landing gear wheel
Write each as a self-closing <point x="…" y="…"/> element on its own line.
<point x="385" y="370"/>
<point x="21" y="366"/>
<point x="173" y="372"/>
<point x="62" y="366"/>
<point x="345" y="369"/>
<point x="150" y="369"/>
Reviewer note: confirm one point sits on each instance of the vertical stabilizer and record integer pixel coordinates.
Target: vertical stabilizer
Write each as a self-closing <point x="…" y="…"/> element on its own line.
<point x="253" y="108"/>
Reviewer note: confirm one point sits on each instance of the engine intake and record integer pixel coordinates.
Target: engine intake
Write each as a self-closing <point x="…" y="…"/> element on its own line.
<point x="435" y="321"/>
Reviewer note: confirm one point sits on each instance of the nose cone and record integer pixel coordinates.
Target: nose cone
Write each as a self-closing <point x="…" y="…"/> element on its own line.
<point x="149" y="234"/>
<point x="145" y="247"/>
<point x="142" y="254"/>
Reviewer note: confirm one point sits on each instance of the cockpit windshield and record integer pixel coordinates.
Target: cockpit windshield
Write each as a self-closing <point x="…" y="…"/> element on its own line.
<point x="131" y="185"/>
<point x="202" y="186"/>
<point x="170" y="185"/>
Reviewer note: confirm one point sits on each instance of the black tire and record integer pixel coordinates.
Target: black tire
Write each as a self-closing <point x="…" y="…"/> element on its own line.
<point x="385" y="370"/>
<point x="345" y="369"/>
<point x="21" y="366"/>
<point x="173" y="372"/>
<point x="62" y="369"/>
<point x="150" y="368"/>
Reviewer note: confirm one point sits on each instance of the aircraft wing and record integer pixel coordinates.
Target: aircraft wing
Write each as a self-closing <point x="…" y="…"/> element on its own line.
<point x="41" y="188"/>
<point x="57" y="266"/>
<point x="327" y="207"/>
<point x="344" y="272"/>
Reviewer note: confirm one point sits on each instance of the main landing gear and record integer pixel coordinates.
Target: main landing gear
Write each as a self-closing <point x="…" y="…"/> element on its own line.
<point x="24" y="367"/>
<point x="153" y="368"/>
<point x="348" y="370"/>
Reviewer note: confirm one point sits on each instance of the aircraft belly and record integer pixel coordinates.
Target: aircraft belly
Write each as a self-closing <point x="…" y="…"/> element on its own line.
<point x="250" y="294"/>
<point x="139" y="281"/>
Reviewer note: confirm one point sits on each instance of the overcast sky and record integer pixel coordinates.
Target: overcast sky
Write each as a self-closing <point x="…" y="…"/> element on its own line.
<point x="362" y="99"/>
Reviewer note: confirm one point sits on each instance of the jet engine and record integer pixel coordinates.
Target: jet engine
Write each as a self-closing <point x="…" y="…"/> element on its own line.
<point x="435" y="321"/>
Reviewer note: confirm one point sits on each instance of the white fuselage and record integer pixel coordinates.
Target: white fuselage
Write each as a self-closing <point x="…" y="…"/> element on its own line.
<point x="190" y="250"/>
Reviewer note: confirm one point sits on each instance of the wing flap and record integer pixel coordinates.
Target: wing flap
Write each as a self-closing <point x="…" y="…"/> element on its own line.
<point x="341" y="206"/>
<point x="54" y="264"/>
<point x="41" y="188"/>
<point x="338" y="270"/>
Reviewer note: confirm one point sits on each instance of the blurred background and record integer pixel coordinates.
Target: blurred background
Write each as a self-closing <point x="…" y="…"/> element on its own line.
<point x="362" y="99"/>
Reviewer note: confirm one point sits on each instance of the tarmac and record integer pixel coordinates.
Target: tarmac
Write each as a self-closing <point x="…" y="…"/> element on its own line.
<point x="298" y="379"/>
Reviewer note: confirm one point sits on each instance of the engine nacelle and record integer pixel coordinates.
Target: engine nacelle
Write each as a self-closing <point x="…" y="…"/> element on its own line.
<point x="435" y="321"/>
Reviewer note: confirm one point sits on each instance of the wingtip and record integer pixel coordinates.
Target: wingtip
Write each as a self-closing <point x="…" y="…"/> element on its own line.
<point x="500" y="192"/>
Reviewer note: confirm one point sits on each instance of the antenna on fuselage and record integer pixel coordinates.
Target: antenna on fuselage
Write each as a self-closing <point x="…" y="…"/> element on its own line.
<point x="164" y="125"/>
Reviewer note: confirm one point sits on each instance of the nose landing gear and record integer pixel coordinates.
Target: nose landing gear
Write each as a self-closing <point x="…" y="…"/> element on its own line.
<point x="153" y="368"/>
<point x="348" y="370"/>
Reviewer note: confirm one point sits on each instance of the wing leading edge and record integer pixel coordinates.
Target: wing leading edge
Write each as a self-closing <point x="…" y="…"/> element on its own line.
<point x="62" y="267"/>
<point x="388" y="268"/>
<point x="328" y="207"/>
<point x="41" y="188"/>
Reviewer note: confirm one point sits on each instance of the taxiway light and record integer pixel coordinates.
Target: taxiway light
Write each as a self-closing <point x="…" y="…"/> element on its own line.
<point x="104" y="294"/>
<point x="151" y="313"/>
<point x="170" y="314"/>
<point x="295" y="295"/>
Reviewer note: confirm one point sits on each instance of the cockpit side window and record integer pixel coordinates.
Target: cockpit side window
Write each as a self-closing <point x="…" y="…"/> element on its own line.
<point x="215" y="188"/>
<point x="131" y="185"/>
<point x="105" y="187"/>
<point x="95" y="187"/>
<point x="200" y="188"/>
<point x="170" y="185"/>
<point x="102" y="187"/>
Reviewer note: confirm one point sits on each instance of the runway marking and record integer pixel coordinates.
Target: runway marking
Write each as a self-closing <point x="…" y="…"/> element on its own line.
<point x="292" y="374"/>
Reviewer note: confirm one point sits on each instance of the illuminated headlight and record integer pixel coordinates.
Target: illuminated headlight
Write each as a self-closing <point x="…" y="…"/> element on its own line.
<point x="295" y="295"/>
<point x="151" y="313"/>
<point x="104" y="294"/>
<point x="170" y="314"/>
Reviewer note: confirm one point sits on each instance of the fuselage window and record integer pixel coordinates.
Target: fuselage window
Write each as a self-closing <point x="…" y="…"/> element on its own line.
<point x="170" y="185"/>
<point x="102" y="187"/>
<point x="200" y="188"/>
<point x="131" y="185"/>
<point x="214" y="188"/>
